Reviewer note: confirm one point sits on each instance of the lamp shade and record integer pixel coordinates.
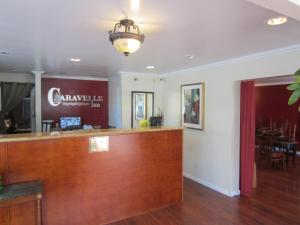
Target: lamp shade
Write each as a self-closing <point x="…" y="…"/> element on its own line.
<point x="127" y="45"/>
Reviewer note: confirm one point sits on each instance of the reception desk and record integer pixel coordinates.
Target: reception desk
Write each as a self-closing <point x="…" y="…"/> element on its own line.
<point x="140" y="171"/>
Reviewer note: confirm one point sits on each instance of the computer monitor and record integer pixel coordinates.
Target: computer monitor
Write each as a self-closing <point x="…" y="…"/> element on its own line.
<point x="70" y="122"/>
<point x="155" y="121"/>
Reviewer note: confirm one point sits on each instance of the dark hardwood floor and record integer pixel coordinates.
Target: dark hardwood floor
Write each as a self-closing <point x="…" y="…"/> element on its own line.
<point x="275" y="201"/>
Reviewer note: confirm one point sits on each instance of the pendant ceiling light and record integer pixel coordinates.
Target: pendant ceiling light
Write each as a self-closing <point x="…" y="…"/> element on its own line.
<point x="126" y="37"/>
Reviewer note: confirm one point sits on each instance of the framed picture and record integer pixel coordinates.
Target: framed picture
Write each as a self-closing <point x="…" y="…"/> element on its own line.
<point x="192" y="106"/>
<point x="140" y="106"/>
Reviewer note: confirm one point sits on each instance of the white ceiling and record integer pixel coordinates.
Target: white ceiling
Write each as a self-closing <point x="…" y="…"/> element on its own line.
<point x="44" y="34"/>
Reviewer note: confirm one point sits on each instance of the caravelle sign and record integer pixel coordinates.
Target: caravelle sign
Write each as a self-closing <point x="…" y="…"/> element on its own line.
<point x="56" y="98"/>
<point x="87" y="99"/>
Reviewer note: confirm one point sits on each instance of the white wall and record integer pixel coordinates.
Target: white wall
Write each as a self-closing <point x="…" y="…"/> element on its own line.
<point x="211" y="157"/>
<point x="138" y="82"/>
<point x="115" y="101"/>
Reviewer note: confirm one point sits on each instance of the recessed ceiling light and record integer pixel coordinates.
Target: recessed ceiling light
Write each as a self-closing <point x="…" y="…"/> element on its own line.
<point x="277" y="21"/>
<point x="135" y="5"/>
<point x="150" y="67"/>
<point x="297" y="2"/>
<point x="75" y="60"/>
<point x="189" y="57"/>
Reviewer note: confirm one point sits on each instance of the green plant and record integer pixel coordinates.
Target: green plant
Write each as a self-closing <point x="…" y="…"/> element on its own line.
<point x="144" y="123"/>
<point x="295" y="88"/>
<point x="1" y="184"/>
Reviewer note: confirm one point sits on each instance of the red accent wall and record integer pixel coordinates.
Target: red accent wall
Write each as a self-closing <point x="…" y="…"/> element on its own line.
<point x="272" y="102"/>
<point x="89" y="115"/>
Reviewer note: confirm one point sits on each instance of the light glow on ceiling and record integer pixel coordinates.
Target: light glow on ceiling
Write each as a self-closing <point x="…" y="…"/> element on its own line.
<point x="150" y="67"/>
<point x="75" y="60"/>
<point x="135" y="5"/>
<point x="190" y="57"/>
<point x="296" y="2"/>
<point x="277" y="21"/>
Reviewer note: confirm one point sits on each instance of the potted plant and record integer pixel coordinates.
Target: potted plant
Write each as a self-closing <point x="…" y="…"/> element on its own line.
<point x="295" y="88"/>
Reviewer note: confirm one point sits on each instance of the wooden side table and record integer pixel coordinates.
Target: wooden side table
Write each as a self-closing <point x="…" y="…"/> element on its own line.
<point x="23" y="192"/>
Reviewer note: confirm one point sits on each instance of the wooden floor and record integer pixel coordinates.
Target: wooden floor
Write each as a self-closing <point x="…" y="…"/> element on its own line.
<point x="276" y="201"/>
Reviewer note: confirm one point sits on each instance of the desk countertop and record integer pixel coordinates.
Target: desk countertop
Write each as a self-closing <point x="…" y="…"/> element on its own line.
<point x="79" y="133"/>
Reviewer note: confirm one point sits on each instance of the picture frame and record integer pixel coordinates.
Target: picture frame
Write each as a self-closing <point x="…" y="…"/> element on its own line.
<point x="193" y="105"/>
<point x="140" y="106"/>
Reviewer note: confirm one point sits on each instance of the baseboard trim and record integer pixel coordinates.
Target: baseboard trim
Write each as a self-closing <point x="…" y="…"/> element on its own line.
<point x="235" y="193"/>
<point x="213" y="187"/>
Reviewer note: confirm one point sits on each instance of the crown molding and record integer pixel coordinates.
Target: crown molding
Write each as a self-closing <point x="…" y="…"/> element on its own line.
<point x="75" y="77"/>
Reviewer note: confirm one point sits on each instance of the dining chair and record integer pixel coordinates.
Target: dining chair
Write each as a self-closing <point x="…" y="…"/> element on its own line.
<point x="277" y="156"/>
<point x="270" y="153"/>
<point x="263" y="150"/>
<point x="290" y="148"/>
<point x="294" y="132"/>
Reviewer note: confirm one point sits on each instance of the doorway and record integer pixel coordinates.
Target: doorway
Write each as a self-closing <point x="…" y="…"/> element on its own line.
<point x="275" y="180"/>
<point x="277" y="136"/>
<point x="142" y="107"/>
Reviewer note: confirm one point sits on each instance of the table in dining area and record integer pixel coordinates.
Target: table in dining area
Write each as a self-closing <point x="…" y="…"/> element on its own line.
<point x="287" y="146"/>
<point x="20" y="193"/>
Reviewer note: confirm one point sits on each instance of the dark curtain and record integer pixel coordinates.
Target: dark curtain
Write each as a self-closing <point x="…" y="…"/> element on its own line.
<point x="12" y="95"/>
<point x="247" y="136"/>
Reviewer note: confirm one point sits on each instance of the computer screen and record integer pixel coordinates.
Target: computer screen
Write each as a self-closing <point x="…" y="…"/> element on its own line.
<point x="66" y="122"/>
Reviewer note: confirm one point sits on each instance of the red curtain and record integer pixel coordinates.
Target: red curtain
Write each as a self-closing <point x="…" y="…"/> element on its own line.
<point x="247" y="137"/>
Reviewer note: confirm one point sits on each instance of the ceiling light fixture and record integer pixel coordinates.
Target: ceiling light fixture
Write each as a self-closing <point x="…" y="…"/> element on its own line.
<point x="190" y="57"/>
<point x="277" y="21"/>
<point x="75" y="60"/>
<point x="124" y="40"/>
<point x="297" y="2"/>
<point x="135" y="5"/>
<point x="150" y="67"/>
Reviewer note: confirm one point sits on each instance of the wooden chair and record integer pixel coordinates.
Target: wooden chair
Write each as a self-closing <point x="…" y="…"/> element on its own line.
<point x="262" y="150"/>
<point x="291" y="149"/>
<point x="292" y="135"/>
<point x="273" y="155"/>
<point x="277" y="158"/>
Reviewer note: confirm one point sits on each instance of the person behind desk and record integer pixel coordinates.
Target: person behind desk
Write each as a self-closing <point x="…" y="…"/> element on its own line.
<point x="8" y="124"/>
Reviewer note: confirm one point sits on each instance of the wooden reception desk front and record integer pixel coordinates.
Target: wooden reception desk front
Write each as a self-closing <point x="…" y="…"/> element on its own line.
<point x="140" y="171"/>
